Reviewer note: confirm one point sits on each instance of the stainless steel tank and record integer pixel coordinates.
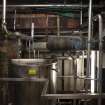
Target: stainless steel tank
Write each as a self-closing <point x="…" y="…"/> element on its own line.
<point x="27" y="92"/>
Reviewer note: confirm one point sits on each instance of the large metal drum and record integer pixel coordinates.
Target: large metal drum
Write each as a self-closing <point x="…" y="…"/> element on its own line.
<point x="28" y="92"/>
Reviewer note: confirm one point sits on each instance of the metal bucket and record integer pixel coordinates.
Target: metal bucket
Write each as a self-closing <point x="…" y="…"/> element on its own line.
<point x="27" y="92"/>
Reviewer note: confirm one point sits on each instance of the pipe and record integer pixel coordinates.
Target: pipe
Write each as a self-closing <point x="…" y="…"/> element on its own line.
<point x="74" y="6"/>
<point x="89" y="39"/>
<point x="32" y="35"/>
<point x="53" y="82"/>
<point x="89" y="34"/>
<point x="4" y="12"/>
<point x="93" y="68"/>
<point x="81" y="15"/>
<point x="4" y="28"/>
<point x="58" y="25"/>
<point x="99" y="17"/>
<point x="100" y="53"/>
<point x="15" y="20"/>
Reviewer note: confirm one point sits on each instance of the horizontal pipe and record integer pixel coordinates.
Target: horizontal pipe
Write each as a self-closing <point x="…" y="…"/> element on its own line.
<point x="78" y="77"/>
<point x="74" y="96"/>
<point x="23" y="79"/>
<point x="74" y="6"/>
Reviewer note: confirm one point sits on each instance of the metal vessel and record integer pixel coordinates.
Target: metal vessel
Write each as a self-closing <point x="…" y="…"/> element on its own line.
<point x="27" y="92"/>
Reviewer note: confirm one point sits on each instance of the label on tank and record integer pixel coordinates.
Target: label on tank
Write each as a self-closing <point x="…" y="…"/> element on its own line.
<point x="32" y="71"/>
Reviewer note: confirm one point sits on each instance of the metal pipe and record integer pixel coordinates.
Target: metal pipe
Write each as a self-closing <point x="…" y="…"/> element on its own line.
<point x="23" y="79"/>
<point x="78" y="77"/>
<point x="32" y="30"/>
<point x="75" y="74"/>
<point x="74" y="6"/>
<point x="53" y="75"/>
<point x="81" y="15"/>
<point x="99" y="18"/>
<point x="32" y="35"/>
<point x="58" y="25"/>
<point x="93" y="68"/>
<point x="15" y="20"/>
<point x="89" y="39"/>
<point x="89" y="36"/>
<point x="4" y="17"/>
<point x="100" y="55"/>
<point x="19" y="48"/>
<point x="4" y="12"/>
<point x="29" y="50"/>
<point x="72" y="96"/>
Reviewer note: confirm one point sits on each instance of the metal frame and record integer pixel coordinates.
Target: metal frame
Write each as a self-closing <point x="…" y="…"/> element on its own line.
<point x="69" y="96"/>
<point x="99" y="95"/>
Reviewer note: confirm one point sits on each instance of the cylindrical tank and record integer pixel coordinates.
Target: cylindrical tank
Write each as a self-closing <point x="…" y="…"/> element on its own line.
<point x="27" y="93"/>
<point x="67" y="43"/>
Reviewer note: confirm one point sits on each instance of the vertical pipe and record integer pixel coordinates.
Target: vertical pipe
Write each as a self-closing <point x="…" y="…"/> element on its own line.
<point x="4" y="17"/>
<point x="100" y="51"/>
<point x="29" y="50"/>
<point x="4" y="12"/>
<point x="75" y="77"/>
<point x="81" y="15"/>
<point x="32" y="30"/>
<point x="75" y="73"/>
<point x="89" y="36"/>
<point x="93" y="68"/>
<point x="100" y="57"/>
<point x="89" y="39"/>
<point x="15" y="21"/>
<point x="58" y="25"/>
<point x="19" y="48"/>
<point x="5" y="87"/>
<point x="97" y="69"/>
<point x="53" y="74"/>
<point x="63" y="64"/>
<point x="32" y="35"/>
<point x="53" y="80"/>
